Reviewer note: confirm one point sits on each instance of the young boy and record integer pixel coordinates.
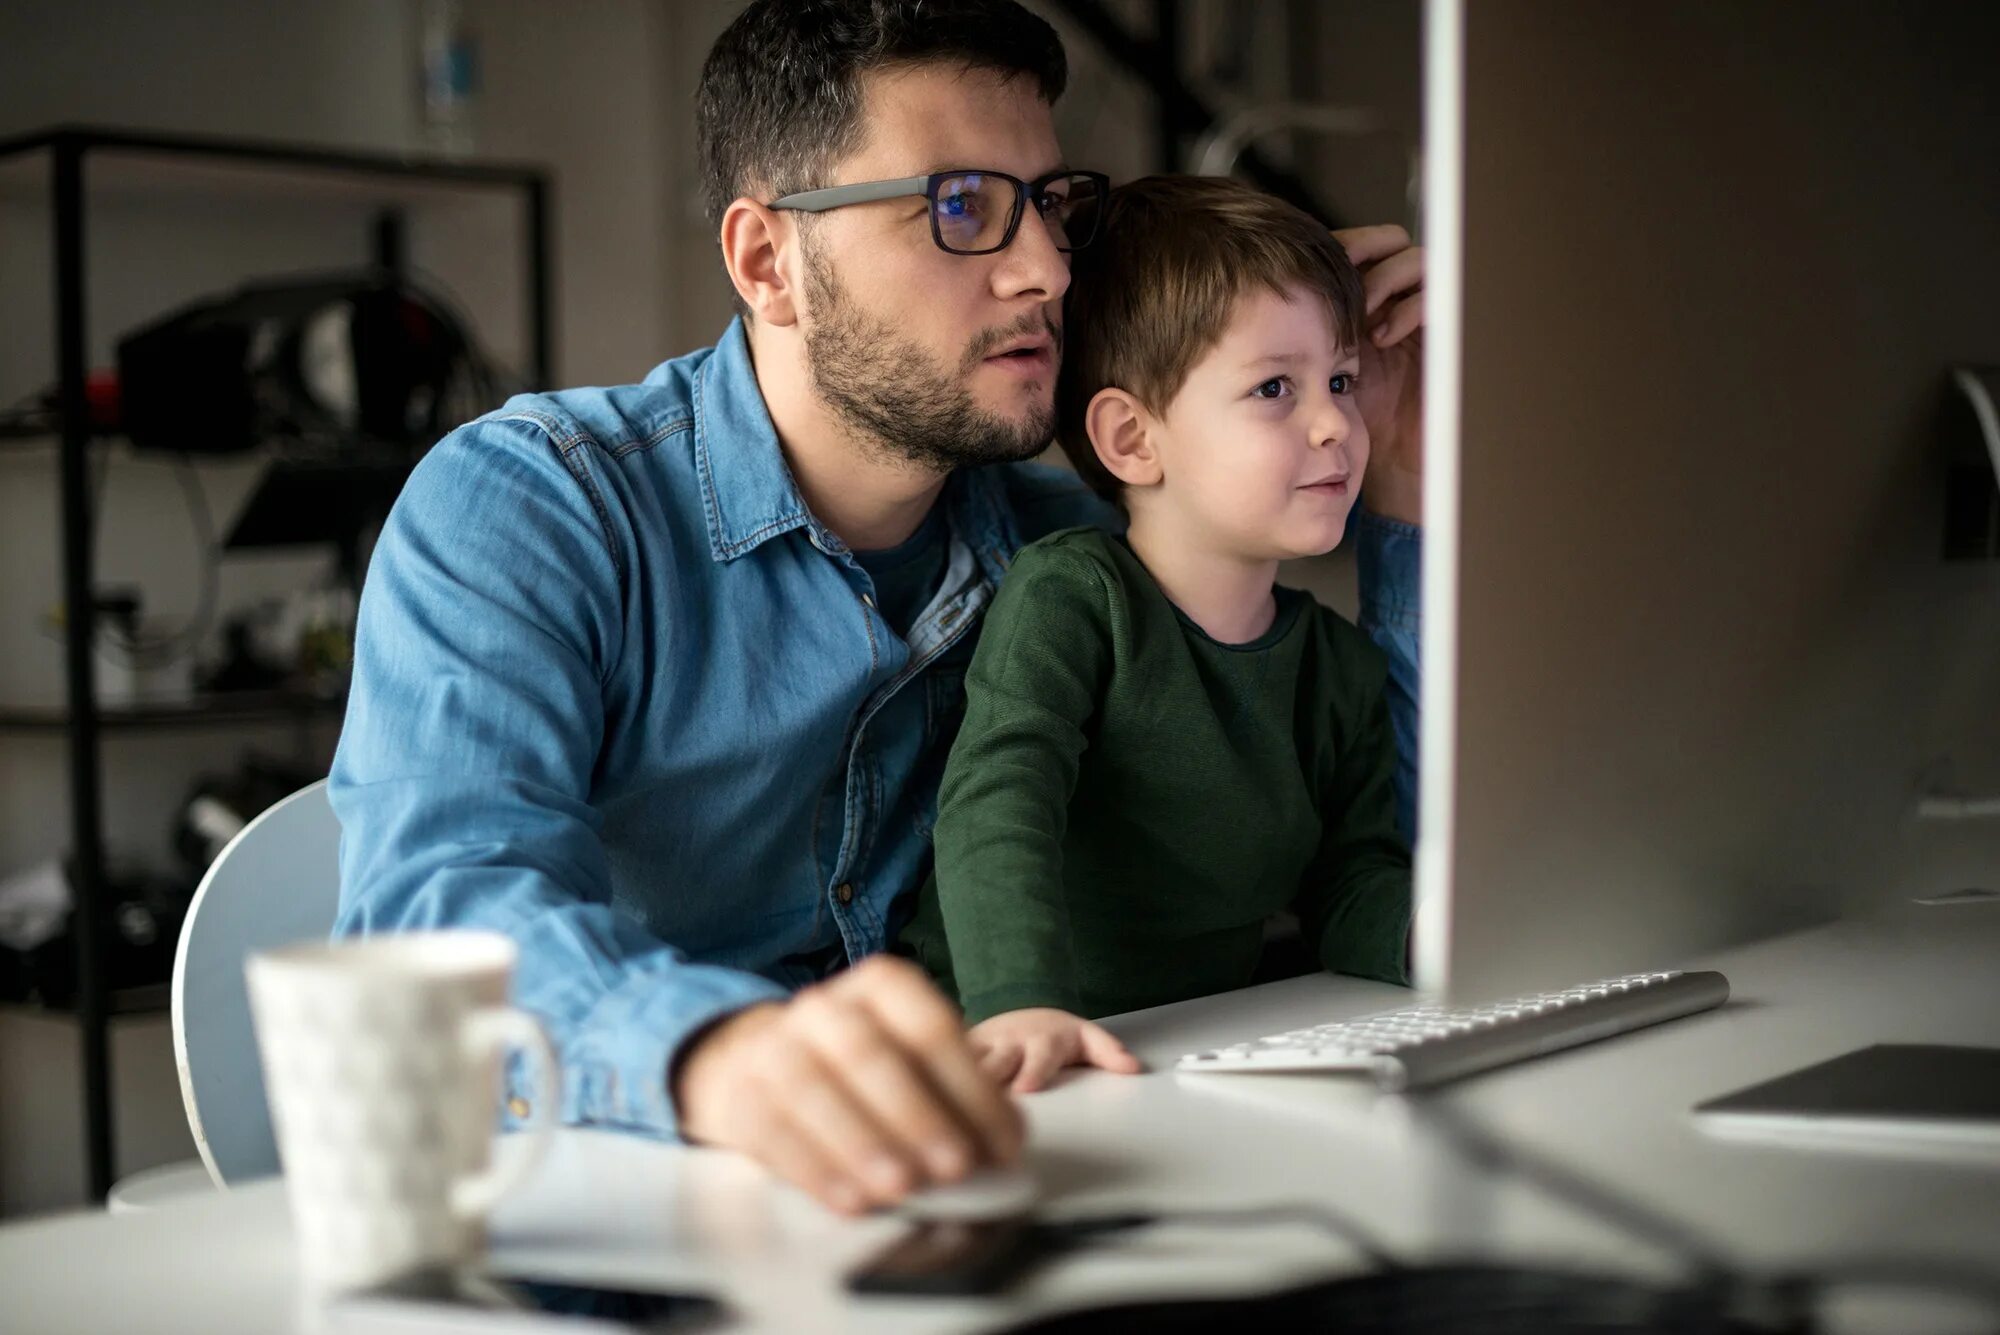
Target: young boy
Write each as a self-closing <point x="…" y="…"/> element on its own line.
<point x="1161" y="747"/>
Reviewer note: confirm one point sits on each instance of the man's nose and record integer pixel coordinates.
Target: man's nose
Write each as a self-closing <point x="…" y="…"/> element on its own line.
<point x="1031" y="266"/>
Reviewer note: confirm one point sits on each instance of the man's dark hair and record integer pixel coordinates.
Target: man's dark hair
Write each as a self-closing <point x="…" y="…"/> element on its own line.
<point x="781" y="91"/>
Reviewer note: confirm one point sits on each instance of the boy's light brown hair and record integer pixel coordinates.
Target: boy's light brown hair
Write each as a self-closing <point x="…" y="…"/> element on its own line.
<point x="1155" y="290"/>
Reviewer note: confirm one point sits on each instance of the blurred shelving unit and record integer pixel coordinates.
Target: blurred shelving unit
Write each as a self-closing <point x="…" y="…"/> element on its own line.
<point x="77" y="169"/>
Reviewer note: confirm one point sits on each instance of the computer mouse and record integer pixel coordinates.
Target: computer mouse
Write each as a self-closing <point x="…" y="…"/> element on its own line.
<point x="986" y="1193"/>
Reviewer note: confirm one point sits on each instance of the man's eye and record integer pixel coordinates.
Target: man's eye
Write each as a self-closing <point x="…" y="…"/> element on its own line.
<point x="1274" y="388"/>
<point x="1344" y="382"/>
<point x="955" y="206"/>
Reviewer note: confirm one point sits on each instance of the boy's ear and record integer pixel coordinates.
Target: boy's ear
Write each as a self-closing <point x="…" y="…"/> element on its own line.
<point x="756" y="248"/>
<point x="1120" y="430"/>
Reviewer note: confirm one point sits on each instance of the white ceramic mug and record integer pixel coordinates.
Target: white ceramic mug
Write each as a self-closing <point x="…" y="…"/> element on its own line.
<point x="381" y="1058"/>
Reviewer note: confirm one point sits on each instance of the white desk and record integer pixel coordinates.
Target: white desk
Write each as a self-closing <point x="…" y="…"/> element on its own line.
<point x="611" y="1208"/>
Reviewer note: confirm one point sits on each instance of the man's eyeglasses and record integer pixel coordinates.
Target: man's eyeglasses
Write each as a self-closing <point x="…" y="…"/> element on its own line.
<point x="978" y="212"/>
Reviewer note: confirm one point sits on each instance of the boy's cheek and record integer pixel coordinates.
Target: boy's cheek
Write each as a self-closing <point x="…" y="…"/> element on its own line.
<point x="1358" y="445"/>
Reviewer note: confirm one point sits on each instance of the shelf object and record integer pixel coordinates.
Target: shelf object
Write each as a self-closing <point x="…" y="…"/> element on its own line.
<point x="147" y="999"/>
<point x="193" y="712"/>
<point x="78" y="168"/>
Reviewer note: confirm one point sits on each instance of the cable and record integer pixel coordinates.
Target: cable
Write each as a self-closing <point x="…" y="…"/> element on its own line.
<point x="1787" y="1301"/>
<point x="1566" y="1184"/>
<point x="162" y="650"/>
<point x="1791" y="1295"/>
<point x="473" y="386"/>
<point x="485" y="374"/>
<point x="1072" y="1232"/>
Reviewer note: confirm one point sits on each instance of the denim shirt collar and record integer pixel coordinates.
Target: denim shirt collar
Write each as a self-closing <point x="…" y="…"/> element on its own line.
<point x="750" y="497"/>
<point x="747" y="492"/>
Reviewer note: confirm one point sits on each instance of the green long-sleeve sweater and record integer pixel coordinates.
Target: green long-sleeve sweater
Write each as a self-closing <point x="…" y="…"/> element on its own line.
<point x="1128" y="800"/>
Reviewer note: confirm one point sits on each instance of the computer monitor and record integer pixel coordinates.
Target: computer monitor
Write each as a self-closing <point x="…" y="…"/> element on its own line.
<point x="1697" y="275"/>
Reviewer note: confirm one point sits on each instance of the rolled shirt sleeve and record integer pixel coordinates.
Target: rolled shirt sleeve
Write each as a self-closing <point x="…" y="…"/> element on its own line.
<point x="464" y="772"/>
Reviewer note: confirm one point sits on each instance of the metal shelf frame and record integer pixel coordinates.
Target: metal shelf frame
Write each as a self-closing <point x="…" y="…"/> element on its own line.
<point x="69" y="151"/>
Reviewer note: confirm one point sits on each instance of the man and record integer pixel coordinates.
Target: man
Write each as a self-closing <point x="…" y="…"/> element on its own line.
<point x="659" y="679"/>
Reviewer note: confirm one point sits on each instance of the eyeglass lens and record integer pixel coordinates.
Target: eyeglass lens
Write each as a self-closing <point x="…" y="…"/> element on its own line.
<point x="974" y="212"/>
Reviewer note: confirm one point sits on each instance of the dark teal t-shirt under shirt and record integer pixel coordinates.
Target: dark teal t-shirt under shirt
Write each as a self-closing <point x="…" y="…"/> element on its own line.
<point x="907" y="575"/>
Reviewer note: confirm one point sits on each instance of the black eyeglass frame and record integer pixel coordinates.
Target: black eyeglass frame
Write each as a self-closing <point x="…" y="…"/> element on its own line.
<point x="867" y="192"/>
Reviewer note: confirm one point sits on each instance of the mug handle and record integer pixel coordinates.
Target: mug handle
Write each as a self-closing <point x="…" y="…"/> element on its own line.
<point x="488" y="1033"/>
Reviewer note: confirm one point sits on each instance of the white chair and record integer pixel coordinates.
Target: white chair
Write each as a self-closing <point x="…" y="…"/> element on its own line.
<point x="276" y="882"/>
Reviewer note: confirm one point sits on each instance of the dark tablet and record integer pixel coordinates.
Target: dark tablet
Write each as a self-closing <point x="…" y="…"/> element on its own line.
<point x="1892" y="1092"/>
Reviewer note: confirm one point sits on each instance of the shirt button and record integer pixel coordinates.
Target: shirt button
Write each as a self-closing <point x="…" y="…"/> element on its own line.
<point x="517" y="1106"/>
<point x="845" y="893"/>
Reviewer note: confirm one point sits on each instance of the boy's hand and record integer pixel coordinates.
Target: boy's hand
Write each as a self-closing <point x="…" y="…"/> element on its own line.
<point x="1392" y="367"/>
<point x="1027" y="1047"/>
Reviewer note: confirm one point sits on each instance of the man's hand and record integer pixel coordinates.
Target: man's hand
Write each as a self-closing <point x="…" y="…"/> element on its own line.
<point x="1027" y="1047"/>
<point x="1392" y="368"/>
<point x="858" y="1090"/>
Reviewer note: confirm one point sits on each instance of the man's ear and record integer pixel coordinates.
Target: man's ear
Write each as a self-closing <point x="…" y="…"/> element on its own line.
<point x="1121" y="431"/>
<point x="756" y="245"/>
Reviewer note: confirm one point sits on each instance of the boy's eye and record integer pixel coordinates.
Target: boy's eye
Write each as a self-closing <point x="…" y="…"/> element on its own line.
<point x="1344" y="382"/>
<point x="1274" y="388"/>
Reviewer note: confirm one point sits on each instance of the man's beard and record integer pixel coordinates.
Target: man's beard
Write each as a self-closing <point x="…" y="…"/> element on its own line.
<point x="891" y="392"/>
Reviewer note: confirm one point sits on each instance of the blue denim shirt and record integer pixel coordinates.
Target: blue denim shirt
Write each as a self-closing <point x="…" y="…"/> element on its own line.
<point x="1388" y="557"/>
<point x="618" y="694"/>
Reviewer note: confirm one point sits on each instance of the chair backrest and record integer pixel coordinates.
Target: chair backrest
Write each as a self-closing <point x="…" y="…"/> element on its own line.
<point x="277" y="882"/>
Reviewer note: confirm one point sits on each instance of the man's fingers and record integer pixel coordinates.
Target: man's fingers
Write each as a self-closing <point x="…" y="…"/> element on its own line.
<point x="836" y="1091"/>
<point x="782" y="1146"/>
<point x="1102" y="1049"/>
<point x="794" y="1158"/>
<point x="1395" y="276"/>
<point x="828" y="1113"/>
<point x="1365" y="245"/>
<point x="1404" y="318"/>
<point x="924" y="1023"/>
<point x="887" y="1083"/>
<point x="1041" y="1058"/>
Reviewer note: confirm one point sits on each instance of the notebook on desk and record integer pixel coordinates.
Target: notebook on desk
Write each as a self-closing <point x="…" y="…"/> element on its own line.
<point x="1890" y="1096"/>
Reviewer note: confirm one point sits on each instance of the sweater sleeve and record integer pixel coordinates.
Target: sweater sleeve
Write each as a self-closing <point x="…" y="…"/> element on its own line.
<point x="1354" y="904"/>
<point x="1033" y="688"/>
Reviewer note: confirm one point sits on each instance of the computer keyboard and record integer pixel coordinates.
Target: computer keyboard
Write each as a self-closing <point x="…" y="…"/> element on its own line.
<point x="1428" y="1045"/>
